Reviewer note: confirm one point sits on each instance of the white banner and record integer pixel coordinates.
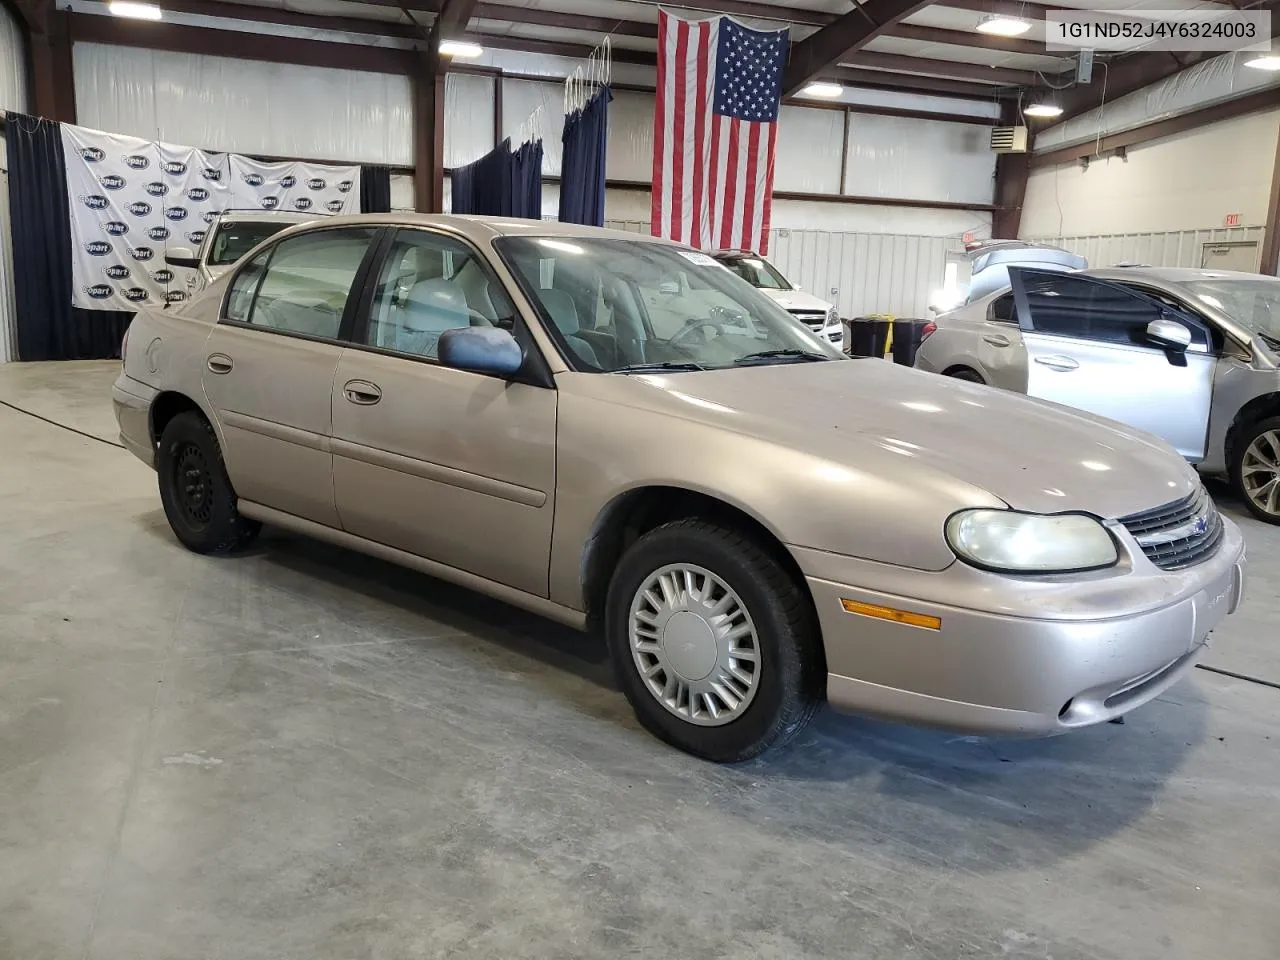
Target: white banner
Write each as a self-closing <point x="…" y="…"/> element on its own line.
<point x="131" y="200"/>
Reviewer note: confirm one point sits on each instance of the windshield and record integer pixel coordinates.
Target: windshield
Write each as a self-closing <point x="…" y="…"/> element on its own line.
<point x="757" y="272"/>
<point x="632" y="306"/>
<point x="233" y="240"/>
<point x="1251" y="301"/>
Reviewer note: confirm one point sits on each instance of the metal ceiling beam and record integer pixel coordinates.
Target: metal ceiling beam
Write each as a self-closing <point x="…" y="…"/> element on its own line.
<point x="452" y="18"/>
<point x="942" y="68"/>
<point x="907" y="81"/>
<point x="746" y="8"/>
<point x="967" y="38"/>
<point x="839" y="39"/>
<point x="257" y="14"/>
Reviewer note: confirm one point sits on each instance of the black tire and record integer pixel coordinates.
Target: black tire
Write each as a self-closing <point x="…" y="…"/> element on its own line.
<point x="195" y="490"/>
<point x="792" y="670"/>
<point x="1239" y="448"/>
<point x="964" y="373"/>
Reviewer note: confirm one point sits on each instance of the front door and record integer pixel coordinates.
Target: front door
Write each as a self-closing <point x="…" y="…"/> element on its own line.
<point x="269" y="368"/>
<point x="1087" y="347"/>
<point x="454" y="466"/>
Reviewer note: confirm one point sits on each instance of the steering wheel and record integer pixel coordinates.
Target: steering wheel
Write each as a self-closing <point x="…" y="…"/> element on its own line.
<point x="693" y="325"/>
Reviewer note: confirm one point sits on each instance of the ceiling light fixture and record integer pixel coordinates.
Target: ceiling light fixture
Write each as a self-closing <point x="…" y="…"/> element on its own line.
<point x="1000" y="25"/>
<point x="1266" y="61"/>
<point x="460" y="48"/>
<point x="1043" y="110"/>
<point x="137" y="11"/>
<point x="821" y="88"/>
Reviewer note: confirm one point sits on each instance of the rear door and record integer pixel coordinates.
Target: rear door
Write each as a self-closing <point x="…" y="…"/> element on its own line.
<point x="1087" y="347"/>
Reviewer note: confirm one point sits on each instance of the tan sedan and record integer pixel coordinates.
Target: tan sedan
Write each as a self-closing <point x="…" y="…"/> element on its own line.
<point x="619" y="433"/>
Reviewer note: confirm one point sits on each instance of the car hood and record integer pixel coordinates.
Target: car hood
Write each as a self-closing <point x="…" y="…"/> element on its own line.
<point x="877" y="417"/>
<point x="796" y="300"/>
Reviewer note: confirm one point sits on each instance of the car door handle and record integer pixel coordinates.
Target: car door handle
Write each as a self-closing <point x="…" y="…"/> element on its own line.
<point x="997" y="339"/>
<point x="362" y="392"/>
<point x="220" y="363"/>
<point x="1065" y="364"/>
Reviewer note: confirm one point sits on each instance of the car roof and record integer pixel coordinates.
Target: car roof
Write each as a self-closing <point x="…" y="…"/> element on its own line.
<point x="1177" y="275"/>
<point x="487" y="228"/>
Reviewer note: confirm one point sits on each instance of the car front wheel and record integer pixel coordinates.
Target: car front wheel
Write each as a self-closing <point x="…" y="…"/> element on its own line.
<point x="199" y="502"/>
<point x="713" y="641"/>
<point x="1255" y="470"/>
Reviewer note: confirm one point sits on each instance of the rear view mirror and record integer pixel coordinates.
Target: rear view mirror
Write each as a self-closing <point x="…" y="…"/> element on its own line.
<point x="481" y="350"/>
<point x="181" y="257"/>
<point x="1169" y="334"/>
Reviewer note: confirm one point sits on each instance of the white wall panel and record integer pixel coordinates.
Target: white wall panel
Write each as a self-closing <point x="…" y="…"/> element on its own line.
<point x="245" y="106"/>
<point x="919" y="159"/>
<point x="1186" y="182"/>
<point x="8" y="315"/>
<point x="468" y="118"/>
<point x="402" y="192"/>
<point x="1208" y="82"/>
<point x="13" y="64"/>
<point x="1176" y="248"/>
<point x="521" y="100"/>
<point x="630" y="150"/>
<point x="808" y="150"/>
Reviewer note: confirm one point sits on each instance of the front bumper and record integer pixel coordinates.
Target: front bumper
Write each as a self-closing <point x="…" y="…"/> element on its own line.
<point x="1017" y="656"/>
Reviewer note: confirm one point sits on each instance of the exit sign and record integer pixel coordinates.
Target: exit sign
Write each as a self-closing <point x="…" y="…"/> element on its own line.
<point x="1233" y="220"/>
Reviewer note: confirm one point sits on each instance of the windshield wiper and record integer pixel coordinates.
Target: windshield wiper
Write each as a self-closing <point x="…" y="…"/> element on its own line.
<point x="659" y="367"/>
<point x="788" y="354"/>
<point x="1271" y="340"/>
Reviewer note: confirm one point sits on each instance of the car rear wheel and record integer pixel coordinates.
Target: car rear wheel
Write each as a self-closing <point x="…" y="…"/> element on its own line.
<point x="195" y="490"/>
<point x="1255" y="470"/>
<point x="964" y="373"/>
<point x="714" y="643"/>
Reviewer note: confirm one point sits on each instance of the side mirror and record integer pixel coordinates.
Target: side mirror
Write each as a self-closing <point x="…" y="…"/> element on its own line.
<point x="1169" y="334"/>
<point x="481" y="350"/>
<point x="181" y="257"/>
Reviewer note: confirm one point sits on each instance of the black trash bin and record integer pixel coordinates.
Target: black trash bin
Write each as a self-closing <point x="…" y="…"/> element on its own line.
<point x="906" y="340"/>
<point x="870" y="335"/>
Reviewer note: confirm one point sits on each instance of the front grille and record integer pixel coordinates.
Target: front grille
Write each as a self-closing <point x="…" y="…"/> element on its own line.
<point x="1179" y="534"/>
<point x="814" y="321"/>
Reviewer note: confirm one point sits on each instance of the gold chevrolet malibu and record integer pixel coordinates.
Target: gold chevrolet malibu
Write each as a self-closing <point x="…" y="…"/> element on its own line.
<point x="618" y="433"/>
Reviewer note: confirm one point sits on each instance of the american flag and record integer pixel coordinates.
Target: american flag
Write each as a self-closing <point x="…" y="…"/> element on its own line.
<point x="715" y="126"/>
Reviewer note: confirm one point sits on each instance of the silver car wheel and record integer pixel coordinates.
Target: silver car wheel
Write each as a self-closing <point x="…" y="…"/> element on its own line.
<point x="1260" y="472"/>
<point x="695" y="644"/>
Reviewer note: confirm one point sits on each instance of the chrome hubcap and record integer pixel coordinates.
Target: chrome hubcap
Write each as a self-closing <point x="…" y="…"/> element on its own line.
<point x="694" y="644"/>
<point x="1260" y="472"/>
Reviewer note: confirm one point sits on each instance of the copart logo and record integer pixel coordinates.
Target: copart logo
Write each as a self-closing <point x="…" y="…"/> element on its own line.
<point x="302" y="203"/>
<point x="136" y="162"/>
<point x="97" y="248"/>
<point x="163" y="276"/>
<point x="345" y="186"/>
<point x="112" y="181"/>
<point x="94" y="201"/>
<point x="158" y="233"/>
<point x="139" y="208"/>
<point x="195" y="237"/>
<point x="176" y="213"/>
<point x="197" y="194"/>
<point x="135" y="294"/>
<point x="253" y="179"/>
<point x="94" y="155"/>
<point x="270" y="203"/>
<point x="117" y="271"/>
<point x="99" y="291"/>
<point x="334" y="206"/>
<point x="115" y="228"/>
<point x="316" y="183"/>
<point x="212" y="174"/>
<point x="209" y="216"/>
<point x="175" y="296"/>
<point x="142" y="253"/>
<point x="156" y="188"/>
<point x="288" y="181"/>
<point x="175" y="168"/>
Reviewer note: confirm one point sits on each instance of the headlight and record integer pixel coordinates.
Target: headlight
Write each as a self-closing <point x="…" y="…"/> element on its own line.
<point x="833" y="317"/>
<point x="1013" y="542"/>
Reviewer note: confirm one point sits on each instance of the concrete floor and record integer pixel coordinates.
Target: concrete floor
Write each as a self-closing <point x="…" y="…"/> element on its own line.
<point x="302" y="753"/>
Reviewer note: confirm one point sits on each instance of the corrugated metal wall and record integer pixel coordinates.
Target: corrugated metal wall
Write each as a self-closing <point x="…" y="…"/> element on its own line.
<point x="861" y="273"/>
<point x="1180" y="248"/>
<point x="8" y="319"/>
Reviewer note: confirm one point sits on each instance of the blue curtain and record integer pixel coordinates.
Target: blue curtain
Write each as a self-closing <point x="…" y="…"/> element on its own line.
<point x="502" y="183"/>
<point x="582" y="169"/>
<point x="375" y="188"/>
<point x="49" y="327"/>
